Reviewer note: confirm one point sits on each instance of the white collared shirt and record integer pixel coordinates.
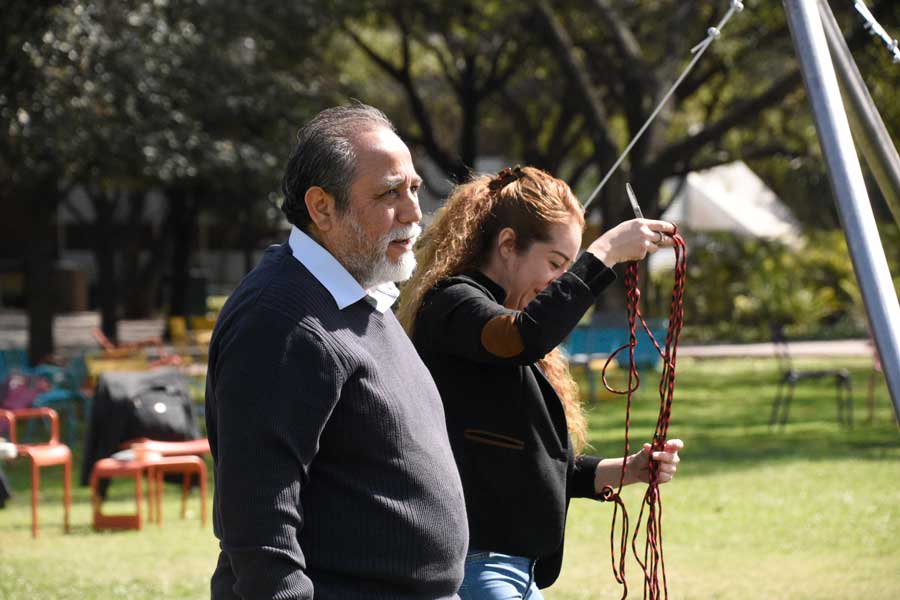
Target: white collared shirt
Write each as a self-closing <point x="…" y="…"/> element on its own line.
<point x="340" y="284"/>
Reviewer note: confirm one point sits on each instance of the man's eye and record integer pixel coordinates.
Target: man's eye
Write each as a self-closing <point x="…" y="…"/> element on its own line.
<point x="414" y="189"/>
<point x="391" y="192"/>
<point x="555" y="265"/>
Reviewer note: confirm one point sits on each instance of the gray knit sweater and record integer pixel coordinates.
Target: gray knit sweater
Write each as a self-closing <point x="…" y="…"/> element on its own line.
<point x="334" y="478"/>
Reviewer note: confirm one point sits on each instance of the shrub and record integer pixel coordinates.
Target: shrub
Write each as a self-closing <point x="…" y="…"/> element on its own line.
<point x="738" y="286"/>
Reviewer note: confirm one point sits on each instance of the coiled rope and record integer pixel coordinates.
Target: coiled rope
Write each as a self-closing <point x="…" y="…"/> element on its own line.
<point x="651" y="560"/>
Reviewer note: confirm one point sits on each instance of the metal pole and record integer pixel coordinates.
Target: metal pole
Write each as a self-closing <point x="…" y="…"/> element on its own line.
<point x="854" y="208"/>
<point x="869" y="132"/>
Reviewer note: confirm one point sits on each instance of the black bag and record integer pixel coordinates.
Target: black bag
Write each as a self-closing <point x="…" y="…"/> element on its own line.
<point x="162" y="411"/>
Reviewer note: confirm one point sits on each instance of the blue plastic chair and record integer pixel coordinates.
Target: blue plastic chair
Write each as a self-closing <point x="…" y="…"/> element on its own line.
<point x="646" y="356"/>
<point x="65" y="396"/>
<point x="13" y="360"/>
<point x="585" y="344"/>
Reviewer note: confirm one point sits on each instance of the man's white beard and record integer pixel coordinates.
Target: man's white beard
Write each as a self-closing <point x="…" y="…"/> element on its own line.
<point x="369" y="263"/>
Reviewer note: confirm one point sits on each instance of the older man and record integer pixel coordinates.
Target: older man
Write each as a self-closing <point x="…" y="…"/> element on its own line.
<point x="334" y="475"/>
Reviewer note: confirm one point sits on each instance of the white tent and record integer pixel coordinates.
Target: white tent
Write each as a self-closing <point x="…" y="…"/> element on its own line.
<point x="729" y="198"/>
<point x="726" y="198"/>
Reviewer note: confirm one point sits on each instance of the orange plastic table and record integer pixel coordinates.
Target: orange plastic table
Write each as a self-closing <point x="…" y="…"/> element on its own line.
<point x="110" y="468"/>
<point x="155" y="466"/>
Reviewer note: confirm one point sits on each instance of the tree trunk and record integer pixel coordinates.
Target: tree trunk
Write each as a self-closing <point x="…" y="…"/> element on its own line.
<point x="468" y="135"/>
<point x="183" y="212"/>
<point x="144" y="261"/>
<point x="104" y="254"/>
<point x="106" y="289"/>
<point x="39" y="274"/>
<point x="248" y="241"/>
<point x="142" y="296"/>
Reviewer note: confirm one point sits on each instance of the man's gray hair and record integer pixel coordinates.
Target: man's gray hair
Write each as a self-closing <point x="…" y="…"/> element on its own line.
<point x="325" y="156"/>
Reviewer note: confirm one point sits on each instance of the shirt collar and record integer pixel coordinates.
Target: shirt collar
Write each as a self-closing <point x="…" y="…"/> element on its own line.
<point x="334" y="277"/>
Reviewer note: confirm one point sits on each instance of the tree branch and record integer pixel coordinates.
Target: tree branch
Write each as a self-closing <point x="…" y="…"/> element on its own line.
<point x="594" y="110"/>
<point x="531" y="152"/>
<point x="750" y="153"/>
<point x="407" y="136"/>
<point x="675" y="46"/>
<point x="404" y="42"/>
<point x="687" y="147"/>
<point x="574" y="134"/>
<point x="495" y="60"/>
<point x="578" y="172"/>
<point x="624" y="38"/>
<point x="451" y="74"/>
<point x="379" y="60"/>
<point x="566" y="133"/>
<point x="498" y="77"/>
<point x="449" y="164"/>
<point x="717" y="65"/>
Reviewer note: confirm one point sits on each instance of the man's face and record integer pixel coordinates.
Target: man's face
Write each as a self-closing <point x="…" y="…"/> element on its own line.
<point x="375" y="237"/>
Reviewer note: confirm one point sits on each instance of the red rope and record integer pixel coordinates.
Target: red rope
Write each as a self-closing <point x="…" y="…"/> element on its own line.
<point x="652" y="561"/>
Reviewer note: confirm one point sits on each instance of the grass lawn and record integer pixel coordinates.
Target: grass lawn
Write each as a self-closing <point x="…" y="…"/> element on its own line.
<point x="809" y="512"/>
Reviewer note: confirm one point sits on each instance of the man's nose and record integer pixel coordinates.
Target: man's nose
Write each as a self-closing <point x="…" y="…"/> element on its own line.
<point x="409" y="211"/>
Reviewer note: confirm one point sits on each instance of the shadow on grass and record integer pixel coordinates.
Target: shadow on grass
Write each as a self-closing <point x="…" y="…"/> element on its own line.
<point x="722" y="409"/>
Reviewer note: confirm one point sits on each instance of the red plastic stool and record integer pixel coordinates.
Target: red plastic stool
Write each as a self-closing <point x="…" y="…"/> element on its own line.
<point x="109" y="468"/>
<point x="187" y="466"/>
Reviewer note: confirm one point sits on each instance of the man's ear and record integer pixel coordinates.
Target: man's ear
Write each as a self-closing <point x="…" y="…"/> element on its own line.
<point x="321" y="207"/>
<point x="506" y="242"/>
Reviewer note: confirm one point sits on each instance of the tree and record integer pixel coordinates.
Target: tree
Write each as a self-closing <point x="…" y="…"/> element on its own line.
<point x="29" y="162"/>
<point x="192" y="100"/>
<point x="566" y="85"/>
<point x="474" y="59"/>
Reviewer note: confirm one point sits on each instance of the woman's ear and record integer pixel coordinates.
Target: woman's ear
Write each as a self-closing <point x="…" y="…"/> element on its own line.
<point x="506" y="242"/>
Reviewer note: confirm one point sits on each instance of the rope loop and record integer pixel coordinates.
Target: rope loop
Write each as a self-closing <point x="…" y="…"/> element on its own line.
<point x="607" y="493"/>
<point x="631" y="388"/>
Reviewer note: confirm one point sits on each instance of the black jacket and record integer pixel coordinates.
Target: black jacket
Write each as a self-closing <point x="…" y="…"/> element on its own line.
<point x="506" y="423"/>
<point x="125" y="407"/>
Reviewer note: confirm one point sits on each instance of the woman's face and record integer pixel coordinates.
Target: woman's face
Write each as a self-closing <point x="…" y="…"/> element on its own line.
<point x="528" y="273"/>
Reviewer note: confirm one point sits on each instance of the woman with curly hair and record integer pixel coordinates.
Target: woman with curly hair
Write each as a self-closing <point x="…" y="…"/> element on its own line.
<point x="499" y="286"/>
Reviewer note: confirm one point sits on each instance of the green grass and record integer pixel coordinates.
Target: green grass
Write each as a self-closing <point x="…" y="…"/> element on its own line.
<point x="809" y="512"/>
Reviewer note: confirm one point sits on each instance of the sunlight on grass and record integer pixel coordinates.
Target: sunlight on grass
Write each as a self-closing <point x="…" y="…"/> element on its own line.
<point x="171" y="561"/>
<point x="811" y="511"/>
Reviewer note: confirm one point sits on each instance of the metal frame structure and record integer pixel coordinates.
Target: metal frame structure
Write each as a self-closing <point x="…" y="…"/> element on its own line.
<point x="845" y="173"/>
<point x="869" y="132"/>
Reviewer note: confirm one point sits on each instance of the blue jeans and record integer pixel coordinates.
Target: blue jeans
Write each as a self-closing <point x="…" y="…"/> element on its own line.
<point x="495" y="576"/>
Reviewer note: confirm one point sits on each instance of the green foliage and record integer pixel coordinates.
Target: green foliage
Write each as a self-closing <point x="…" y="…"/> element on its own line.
<point x="140" y="93"/>
<point x="738" y="287"/>
<point x="200" y="98"/>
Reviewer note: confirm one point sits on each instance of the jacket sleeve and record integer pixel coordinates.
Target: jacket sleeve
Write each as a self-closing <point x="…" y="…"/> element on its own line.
<point x="272" y="397"/>
<point x="580" y="480"/>
<point x="463" y="320"/>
